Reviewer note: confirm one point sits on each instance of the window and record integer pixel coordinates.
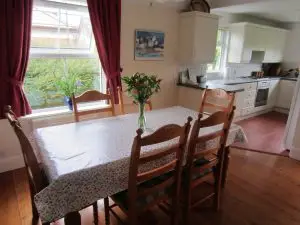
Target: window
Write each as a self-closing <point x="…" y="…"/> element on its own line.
<point x="62" y="42"/>
<point x="219" y="64"/>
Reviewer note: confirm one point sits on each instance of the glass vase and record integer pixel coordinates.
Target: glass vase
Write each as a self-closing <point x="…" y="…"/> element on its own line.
<point x="142" y="119"/>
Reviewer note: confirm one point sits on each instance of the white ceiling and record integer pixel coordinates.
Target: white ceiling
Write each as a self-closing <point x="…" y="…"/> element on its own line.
<point x="278" y="10"/>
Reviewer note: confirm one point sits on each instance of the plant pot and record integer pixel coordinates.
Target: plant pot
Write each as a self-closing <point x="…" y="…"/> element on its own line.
<point x="68" y="102"/>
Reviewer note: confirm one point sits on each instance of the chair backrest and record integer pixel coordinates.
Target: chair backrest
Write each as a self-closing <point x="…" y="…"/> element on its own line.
<point x="211" y="155"/>
<point x="37" y="180"/>
<point x="217" y="100"/>
<point x="91" y="96"/>
<point x="121" y="102"/>
<point x="136" y="177"/>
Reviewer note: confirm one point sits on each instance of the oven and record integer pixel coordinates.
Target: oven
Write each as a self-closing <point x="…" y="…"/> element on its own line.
<point x="262" y="93"/>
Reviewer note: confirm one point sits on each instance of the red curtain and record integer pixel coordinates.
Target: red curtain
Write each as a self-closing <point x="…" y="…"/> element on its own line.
<point x="106" y="22"/>
<point x="15" y="29"/>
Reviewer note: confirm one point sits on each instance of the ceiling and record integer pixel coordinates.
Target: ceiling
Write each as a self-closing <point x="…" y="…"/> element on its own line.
<point x="277" y="10"/>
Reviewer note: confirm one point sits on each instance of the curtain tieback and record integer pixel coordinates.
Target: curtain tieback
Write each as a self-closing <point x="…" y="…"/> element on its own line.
<point x="12" y="81"/>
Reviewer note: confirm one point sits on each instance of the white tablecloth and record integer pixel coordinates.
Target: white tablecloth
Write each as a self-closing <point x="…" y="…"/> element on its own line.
<point x="89" y="160"/>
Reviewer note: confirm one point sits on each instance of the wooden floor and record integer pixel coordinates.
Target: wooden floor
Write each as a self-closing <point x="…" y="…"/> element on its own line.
<point x="264" y="133"/>
<point x="261" y="190"/>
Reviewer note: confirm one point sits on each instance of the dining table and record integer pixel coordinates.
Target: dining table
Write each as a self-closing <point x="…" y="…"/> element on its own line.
<point x="89" y="160"/>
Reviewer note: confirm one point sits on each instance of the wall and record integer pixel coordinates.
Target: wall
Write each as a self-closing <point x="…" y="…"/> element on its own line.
<point x="292" y="50"/>
<point x="10" y="157"/>
<point x="292" y="60"/>
<point x="136" y="16"/>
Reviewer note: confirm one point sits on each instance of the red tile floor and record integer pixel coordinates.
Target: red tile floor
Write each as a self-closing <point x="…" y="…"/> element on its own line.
<point x="264" y="133"/>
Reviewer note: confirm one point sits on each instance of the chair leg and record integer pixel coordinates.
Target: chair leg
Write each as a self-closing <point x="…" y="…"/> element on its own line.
<point x="175" y="211"/>
<point x="95" y="213"/>
<point x="106" y="210"/>
<point x="35" y="215"/>
<point x="133" y="219"/>
<point x="225" y="167"/>
<point x="186" y="216"/>
<point x="73" y="218"/>
<point x="217" y="188"/>
<point x="187" y="208"/>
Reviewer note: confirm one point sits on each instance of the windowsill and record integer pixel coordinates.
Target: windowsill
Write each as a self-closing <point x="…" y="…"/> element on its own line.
<point x="214" y="72"/>
<point x="64" y="110"/>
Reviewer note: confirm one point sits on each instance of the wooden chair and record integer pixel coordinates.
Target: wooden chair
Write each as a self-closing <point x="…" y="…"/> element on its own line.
<point x="121" y="102"/>
<point x="36" y="176"/>
<point x="205" y="164"/>
<point x="216" y="100"/>
<point x="149" y="188"/>
<point x="91" y="96"/>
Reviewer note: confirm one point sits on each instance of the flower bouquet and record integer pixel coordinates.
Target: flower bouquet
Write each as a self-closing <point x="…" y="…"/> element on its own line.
<point x="141" y="87"/>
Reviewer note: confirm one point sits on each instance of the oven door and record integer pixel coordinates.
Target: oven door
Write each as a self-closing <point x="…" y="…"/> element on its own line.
<point x="261" y="97"/>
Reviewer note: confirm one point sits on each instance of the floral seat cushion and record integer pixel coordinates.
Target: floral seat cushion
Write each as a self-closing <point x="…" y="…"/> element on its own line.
<point x="198" y="163"/>
<point x="121" y="198"/>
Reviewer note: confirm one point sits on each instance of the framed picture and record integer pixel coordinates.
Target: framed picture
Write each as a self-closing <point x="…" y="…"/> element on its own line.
<point x="149" y="45"/>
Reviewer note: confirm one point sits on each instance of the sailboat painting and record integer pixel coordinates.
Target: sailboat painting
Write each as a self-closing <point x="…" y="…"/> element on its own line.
<point x="149" y="45"/>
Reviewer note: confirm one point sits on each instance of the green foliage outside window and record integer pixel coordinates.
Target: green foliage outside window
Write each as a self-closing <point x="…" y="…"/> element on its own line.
<point x="215" y="66"/>
<point x="43" y="75"/>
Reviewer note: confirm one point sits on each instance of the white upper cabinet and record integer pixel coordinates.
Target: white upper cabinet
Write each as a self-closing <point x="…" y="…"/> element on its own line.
<point x="275" y="45"/>
<point x="256" y="43"/>
<point x="197" y="37"/>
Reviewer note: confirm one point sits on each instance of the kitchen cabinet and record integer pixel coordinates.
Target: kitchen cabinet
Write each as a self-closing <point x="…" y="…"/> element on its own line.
<point x="285" y="94"/>
<point x="190" y="98"/>
<point x="244" y="101"/>
<point x="273" y="93"/>
<point x="275" y="45"/>
<point x="197" y="37"/>
<point x="256" y="43"/>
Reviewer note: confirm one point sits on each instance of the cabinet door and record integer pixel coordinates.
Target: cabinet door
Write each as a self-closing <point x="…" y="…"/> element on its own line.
<point x="186" y="40"/>
<point x="273" y="93"/>
<point x="205" y="41"/>
<point x="275" y="46"/>
<point x="286" y="93"/>
<point x="255" y="38"/>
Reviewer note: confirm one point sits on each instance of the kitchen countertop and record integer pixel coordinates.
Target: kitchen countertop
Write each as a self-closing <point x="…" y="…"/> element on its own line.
<point x="213" y="85"/>
<point x="230" y="84"/>
<point x="251" y="80"/>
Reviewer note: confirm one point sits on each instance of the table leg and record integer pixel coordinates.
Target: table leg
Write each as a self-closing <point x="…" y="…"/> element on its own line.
<point x="225" y="165"/>
<point x="73" y="219"/>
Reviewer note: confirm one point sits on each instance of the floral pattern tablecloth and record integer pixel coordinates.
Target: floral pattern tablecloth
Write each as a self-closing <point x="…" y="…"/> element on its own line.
<point x="89" y="160"/>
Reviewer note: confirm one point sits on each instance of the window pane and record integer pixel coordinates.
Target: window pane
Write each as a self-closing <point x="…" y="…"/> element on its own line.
<point x="219" y="55"/>
<point x="61" y="30"/>
<point x="42" y="75"/>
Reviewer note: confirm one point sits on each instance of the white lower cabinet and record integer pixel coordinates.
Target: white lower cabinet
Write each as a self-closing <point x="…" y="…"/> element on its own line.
<point x="285" y="94"/>
<point x="190" y="97"/>
<point x="273" y="93"/>
<point x="244" y="101"/>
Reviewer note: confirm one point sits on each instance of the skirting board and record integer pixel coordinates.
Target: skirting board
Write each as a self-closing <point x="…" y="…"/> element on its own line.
<point x="282" y="110"/>
<point x="252" y="115"/>
<point x="11" y="163"/>
<point x="295" y="153"/>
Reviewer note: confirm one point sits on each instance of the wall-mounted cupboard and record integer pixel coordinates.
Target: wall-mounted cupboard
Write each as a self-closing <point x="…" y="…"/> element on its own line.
<point x="253" y="43"/>
<point x="197" y="37"/>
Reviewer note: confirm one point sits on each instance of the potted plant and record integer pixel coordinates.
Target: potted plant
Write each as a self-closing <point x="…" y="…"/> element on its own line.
<point x="141" y="87"/>
<point x="68" y="85"/>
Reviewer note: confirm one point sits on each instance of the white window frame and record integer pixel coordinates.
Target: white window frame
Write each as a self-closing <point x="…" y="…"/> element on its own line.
<point x="224" y="56"/>
<point x="78" y="54"/>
